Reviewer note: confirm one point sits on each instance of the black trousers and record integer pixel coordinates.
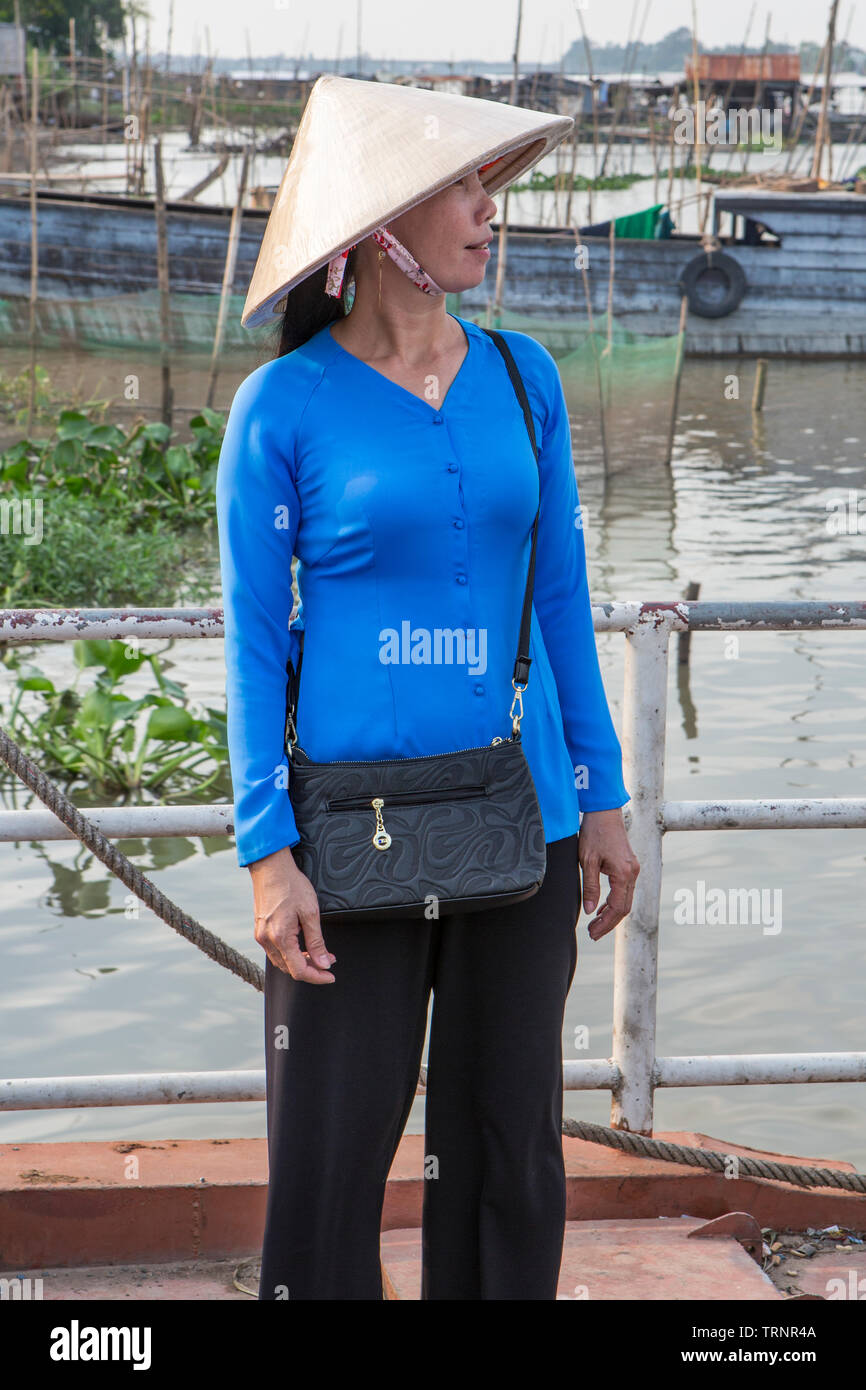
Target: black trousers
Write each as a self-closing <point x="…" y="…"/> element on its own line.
<point x="342" y="1065"/>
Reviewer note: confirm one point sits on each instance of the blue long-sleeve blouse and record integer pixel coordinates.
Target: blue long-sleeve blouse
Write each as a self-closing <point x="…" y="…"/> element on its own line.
<point x="411" y="522"/>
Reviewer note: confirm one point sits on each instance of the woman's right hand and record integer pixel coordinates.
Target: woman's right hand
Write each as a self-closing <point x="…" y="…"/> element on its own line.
<point x="287" y="910"/>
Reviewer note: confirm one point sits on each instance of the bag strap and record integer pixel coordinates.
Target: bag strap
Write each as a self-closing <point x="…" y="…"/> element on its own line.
<point x="522" y="661"/>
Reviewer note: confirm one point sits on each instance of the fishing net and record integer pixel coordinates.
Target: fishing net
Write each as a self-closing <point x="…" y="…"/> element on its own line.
<point x="631" y="373"/>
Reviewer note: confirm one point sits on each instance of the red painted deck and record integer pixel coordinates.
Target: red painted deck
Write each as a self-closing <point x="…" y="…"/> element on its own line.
<point x="173" y="1218"/>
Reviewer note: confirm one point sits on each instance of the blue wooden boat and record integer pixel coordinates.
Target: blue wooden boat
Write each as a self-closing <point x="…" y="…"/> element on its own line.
<point x="786" y="277"/>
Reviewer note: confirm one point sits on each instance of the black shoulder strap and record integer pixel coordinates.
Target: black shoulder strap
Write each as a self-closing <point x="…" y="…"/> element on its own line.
<point x="522" y="660"/>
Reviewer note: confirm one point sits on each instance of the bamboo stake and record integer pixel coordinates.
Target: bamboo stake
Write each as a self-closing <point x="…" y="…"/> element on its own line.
<point x="611" y="256"/>
<point x="726" y="100"/>
<point x="684" y="639"/>
<point x="73" y="73"/>
<point x="594" y="91"/>
<point x="163" y="280"/>
<point x="671" y="148"/>
<point x="502" y="246"/>
<point x="678" y="371"/>
<point x="5" y="113"/>
<point x="825" y="96"/>
<point x="622" y="86"/>
<point x="595" y="352"/>
<point x="575" y="141"/>
<point x="34" y="238"/>
<point x="228" y="274"/>
<point x="759" y="84"/>
<point x="105" y="81"/>
<point x="696" y="98"/>
<point x="801" y="115"/>
<point x="760" y="385"/>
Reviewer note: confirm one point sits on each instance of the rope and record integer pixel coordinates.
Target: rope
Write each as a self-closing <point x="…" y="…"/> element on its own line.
<point x="639" y="1144"/>
<point x="138" y="883"/>
<point x="798" y="1174"/>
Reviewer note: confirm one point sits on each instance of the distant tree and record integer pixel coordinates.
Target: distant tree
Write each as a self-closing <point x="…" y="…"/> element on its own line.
<point x="47" y="22"/>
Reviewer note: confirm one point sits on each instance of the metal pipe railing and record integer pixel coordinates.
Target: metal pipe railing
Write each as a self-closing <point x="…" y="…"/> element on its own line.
<point x="633" y="1072"/>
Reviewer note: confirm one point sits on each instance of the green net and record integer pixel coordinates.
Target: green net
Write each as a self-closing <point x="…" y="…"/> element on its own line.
<point x="629" y="375"/>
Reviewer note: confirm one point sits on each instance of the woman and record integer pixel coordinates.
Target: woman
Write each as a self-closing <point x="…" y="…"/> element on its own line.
<point x="386" y="449"/>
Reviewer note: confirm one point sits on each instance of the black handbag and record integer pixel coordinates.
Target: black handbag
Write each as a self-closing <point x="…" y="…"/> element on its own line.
<point x="422" y="836"/>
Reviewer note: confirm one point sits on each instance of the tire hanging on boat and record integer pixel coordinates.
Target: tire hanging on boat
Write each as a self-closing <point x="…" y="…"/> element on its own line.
<point x="714" y="283"/>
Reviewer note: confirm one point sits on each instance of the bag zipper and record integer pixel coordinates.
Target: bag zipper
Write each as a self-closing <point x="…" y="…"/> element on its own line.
<point x="361" y="803"/>
<point x="401" y="758"/>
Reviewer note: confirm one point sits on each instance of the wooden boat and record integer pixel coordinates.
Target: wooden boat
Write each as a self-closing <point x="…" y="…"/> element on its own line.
<point x="788" y="277"/>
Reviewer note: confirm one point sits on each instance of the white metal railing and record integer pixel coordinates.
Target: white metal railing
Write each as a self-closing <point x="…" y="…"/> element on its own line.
<point x="634" y="1071"/>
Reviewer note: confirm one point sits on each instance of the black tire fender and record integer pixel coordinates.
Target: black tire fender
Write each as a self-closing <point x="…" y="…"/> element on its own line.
<point x="714" y="283"/>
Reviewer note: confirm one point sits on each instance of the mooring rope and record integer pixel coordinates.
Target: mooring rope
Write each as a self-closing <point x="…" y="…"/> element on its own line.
<point x="798" y="1174"/>
<point x="218" y="950"/>
<point x="138" y="883"/>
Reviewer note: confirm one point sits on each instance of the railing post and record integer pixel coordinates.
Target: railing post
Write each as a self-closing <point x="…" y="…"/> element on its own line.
<point x="636" y="949"/>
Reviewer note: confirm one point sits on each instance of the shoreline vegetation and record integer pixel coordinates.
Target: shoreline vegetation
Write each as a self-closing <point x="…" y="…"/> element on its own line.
<point x="95" y="515"/>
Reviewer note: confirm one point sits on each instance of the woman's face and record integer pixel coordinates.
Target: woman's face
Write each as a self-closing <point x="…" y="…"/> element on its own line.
<point x="449" y="233"/>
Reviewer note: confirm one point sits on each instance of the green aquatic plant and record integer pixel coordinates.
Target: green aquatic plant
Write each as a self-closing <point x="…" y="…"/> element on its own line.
<point x="109" y="741"/>
<point x="137" y="471"/>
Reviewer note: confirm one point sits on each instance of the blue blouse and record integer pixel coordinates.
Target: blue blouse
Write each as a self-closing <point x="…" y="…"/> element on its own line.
<point x="411" y="523"/>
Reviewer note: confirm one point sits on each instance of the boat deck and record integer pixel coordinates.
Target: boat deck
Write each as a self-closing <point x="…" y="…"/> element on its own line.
<point x="189" y="1223"/>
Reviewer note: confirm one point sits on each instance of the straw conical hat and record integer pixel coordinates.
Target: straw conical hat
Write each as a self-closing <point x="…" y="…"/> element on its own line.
<point x="367" y="151"/>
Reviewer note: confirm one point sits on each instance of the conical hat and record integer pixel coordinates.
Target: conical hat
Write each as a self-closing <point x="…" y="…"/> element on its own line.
<point x="367" y="151"/>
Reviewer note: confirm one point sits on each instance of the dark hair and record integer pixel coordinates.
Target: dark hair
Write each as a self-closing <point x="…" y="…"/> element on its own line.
<point x="308" y="308"/>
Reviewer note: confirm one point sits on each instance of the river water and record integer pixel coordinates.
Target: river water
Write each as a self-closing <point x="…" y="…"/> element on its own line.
<point x="745" y="511"/>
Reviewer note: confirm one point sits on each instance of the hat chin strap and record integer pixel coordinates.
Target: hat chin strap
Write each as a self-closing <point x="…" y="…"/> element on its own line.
<point x="397" y="252"/>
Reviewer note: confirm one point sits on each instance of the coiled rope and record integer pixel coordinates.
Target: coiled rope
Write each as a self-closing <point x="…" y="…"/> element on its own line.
<point x="218" y="950"/>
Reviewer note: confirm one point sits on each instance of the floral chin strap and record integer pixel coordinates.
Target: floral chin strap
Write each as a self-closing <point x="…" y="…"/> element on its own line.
<point x="398" y="253"/>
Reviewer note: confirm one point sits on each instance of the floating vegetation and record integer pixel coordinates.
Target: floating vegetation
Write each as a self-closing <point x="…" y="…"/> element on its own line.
<point x="108" y="740"/>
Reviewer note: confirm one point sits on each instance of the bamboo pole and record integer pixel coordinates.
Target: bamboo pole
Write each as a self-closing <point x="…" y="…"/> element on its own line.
<point x="502" y="245"/>
<point x="696" y="100"/>
<point x="163" y="281"/>
<point x="611" y="244"/>
<point x="73" y="71"/>
<point x="801" y="115"/>
<point x="825" y="96"/>
<point x="228" y="274"/>
<point x="684" y="639"/>
<point x="671" y="149"/>
<point x="595" y="353"/>
<point x="760" y="385"/>
<point x="622" y="86"/>
<point x="34" y="238"/>
<point x="594" y="92"/>
<point x="575" y="142"/>
<point x="105" y="81"/>
<point x="759" y="84"/>
<point x="678" y="371"/>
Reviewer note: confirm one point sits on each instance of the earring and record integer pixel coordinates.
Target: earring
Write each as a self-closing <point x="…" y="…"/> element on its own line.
<point x="381" y="259"/>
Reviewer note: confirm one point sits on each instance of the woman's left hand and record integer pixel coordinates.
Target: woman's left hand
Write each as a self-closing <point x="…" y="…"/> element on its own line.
<point x="603" y="848"/>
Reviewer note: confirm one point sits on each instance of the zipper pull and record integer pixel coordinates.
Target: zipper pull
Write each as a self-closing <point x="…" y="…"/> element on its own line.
<point x="381" y="838"/>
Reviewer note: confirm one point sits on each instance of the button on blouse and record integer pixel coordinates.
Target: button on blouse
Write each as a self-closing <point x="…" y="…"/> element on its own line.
<point x="412" y="545"/>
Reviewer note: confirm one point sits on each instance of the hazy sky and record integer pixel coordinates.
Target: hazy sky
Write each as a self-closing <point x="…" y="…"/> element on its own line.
<point x="444" y="29"/>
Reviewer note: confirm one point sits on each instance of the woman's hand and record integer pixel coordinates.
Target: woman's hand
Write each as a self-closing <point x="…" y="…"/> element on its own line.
<point x="286" y="908"/>
<point x="603" y="847"/>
